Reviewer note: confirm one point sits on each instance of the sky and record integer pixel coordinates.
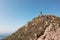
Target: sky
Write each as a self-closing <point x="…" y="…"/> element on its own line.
<point x="16" y="13"/>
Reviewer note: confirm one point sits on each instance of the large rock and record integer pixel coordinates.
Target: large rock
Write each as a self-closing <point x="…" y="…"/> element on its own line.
<point x="52" y="32"/>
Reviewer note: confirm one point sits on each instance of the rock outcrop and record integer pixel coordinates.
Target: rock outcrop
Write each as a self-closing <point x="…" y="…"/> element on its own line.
<point x="44" y="27"/>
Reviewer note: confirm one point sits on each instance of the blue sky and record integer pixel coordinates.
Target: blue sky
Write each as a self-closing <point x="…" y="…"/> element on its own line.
<point x="15" y="13"/>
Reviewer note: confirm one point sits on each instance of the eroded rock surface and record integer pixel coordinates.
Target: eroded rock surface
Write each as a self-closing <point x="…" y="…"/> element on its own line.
<point x="52" y="32"/>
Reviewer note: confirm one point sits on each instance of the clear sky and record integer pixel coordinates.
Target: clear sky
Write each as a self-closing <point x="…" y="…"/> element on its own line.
<point x="15" y="13"/>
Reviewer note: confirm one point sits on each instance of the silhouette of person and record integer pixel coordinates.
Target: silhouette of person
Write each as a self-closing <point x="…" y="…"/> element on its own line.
<point x="41" y="13"/>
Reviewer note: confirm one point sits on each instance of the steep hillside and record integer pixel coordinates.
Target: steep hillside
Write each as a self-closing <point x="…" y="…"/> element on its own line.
<point x="42" y="27"/>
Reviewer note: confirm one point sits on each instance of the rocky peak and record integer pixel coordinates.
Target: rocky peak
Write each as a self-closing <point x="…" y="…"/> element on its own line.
<point x="44" y="27"/>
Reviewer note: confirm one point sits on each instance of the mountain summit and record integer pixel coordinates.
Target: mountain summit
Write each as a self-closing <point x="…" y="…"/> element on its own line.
<point x="42" y="27"/>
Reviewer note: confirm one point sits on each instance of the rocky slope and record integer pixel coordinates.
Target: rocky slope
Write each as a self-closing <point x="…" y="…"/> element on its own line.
<point x="44" y="27"/>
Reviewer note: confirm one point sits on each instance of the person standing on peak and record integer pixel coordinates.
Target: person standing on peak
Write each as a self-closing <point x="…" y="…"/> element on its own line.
<point x="41" y="13"/>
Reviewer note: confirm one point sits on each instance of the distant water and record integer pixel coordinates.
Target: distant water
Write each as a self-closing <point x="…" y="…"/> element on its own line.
<point x="4" y="35"/>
